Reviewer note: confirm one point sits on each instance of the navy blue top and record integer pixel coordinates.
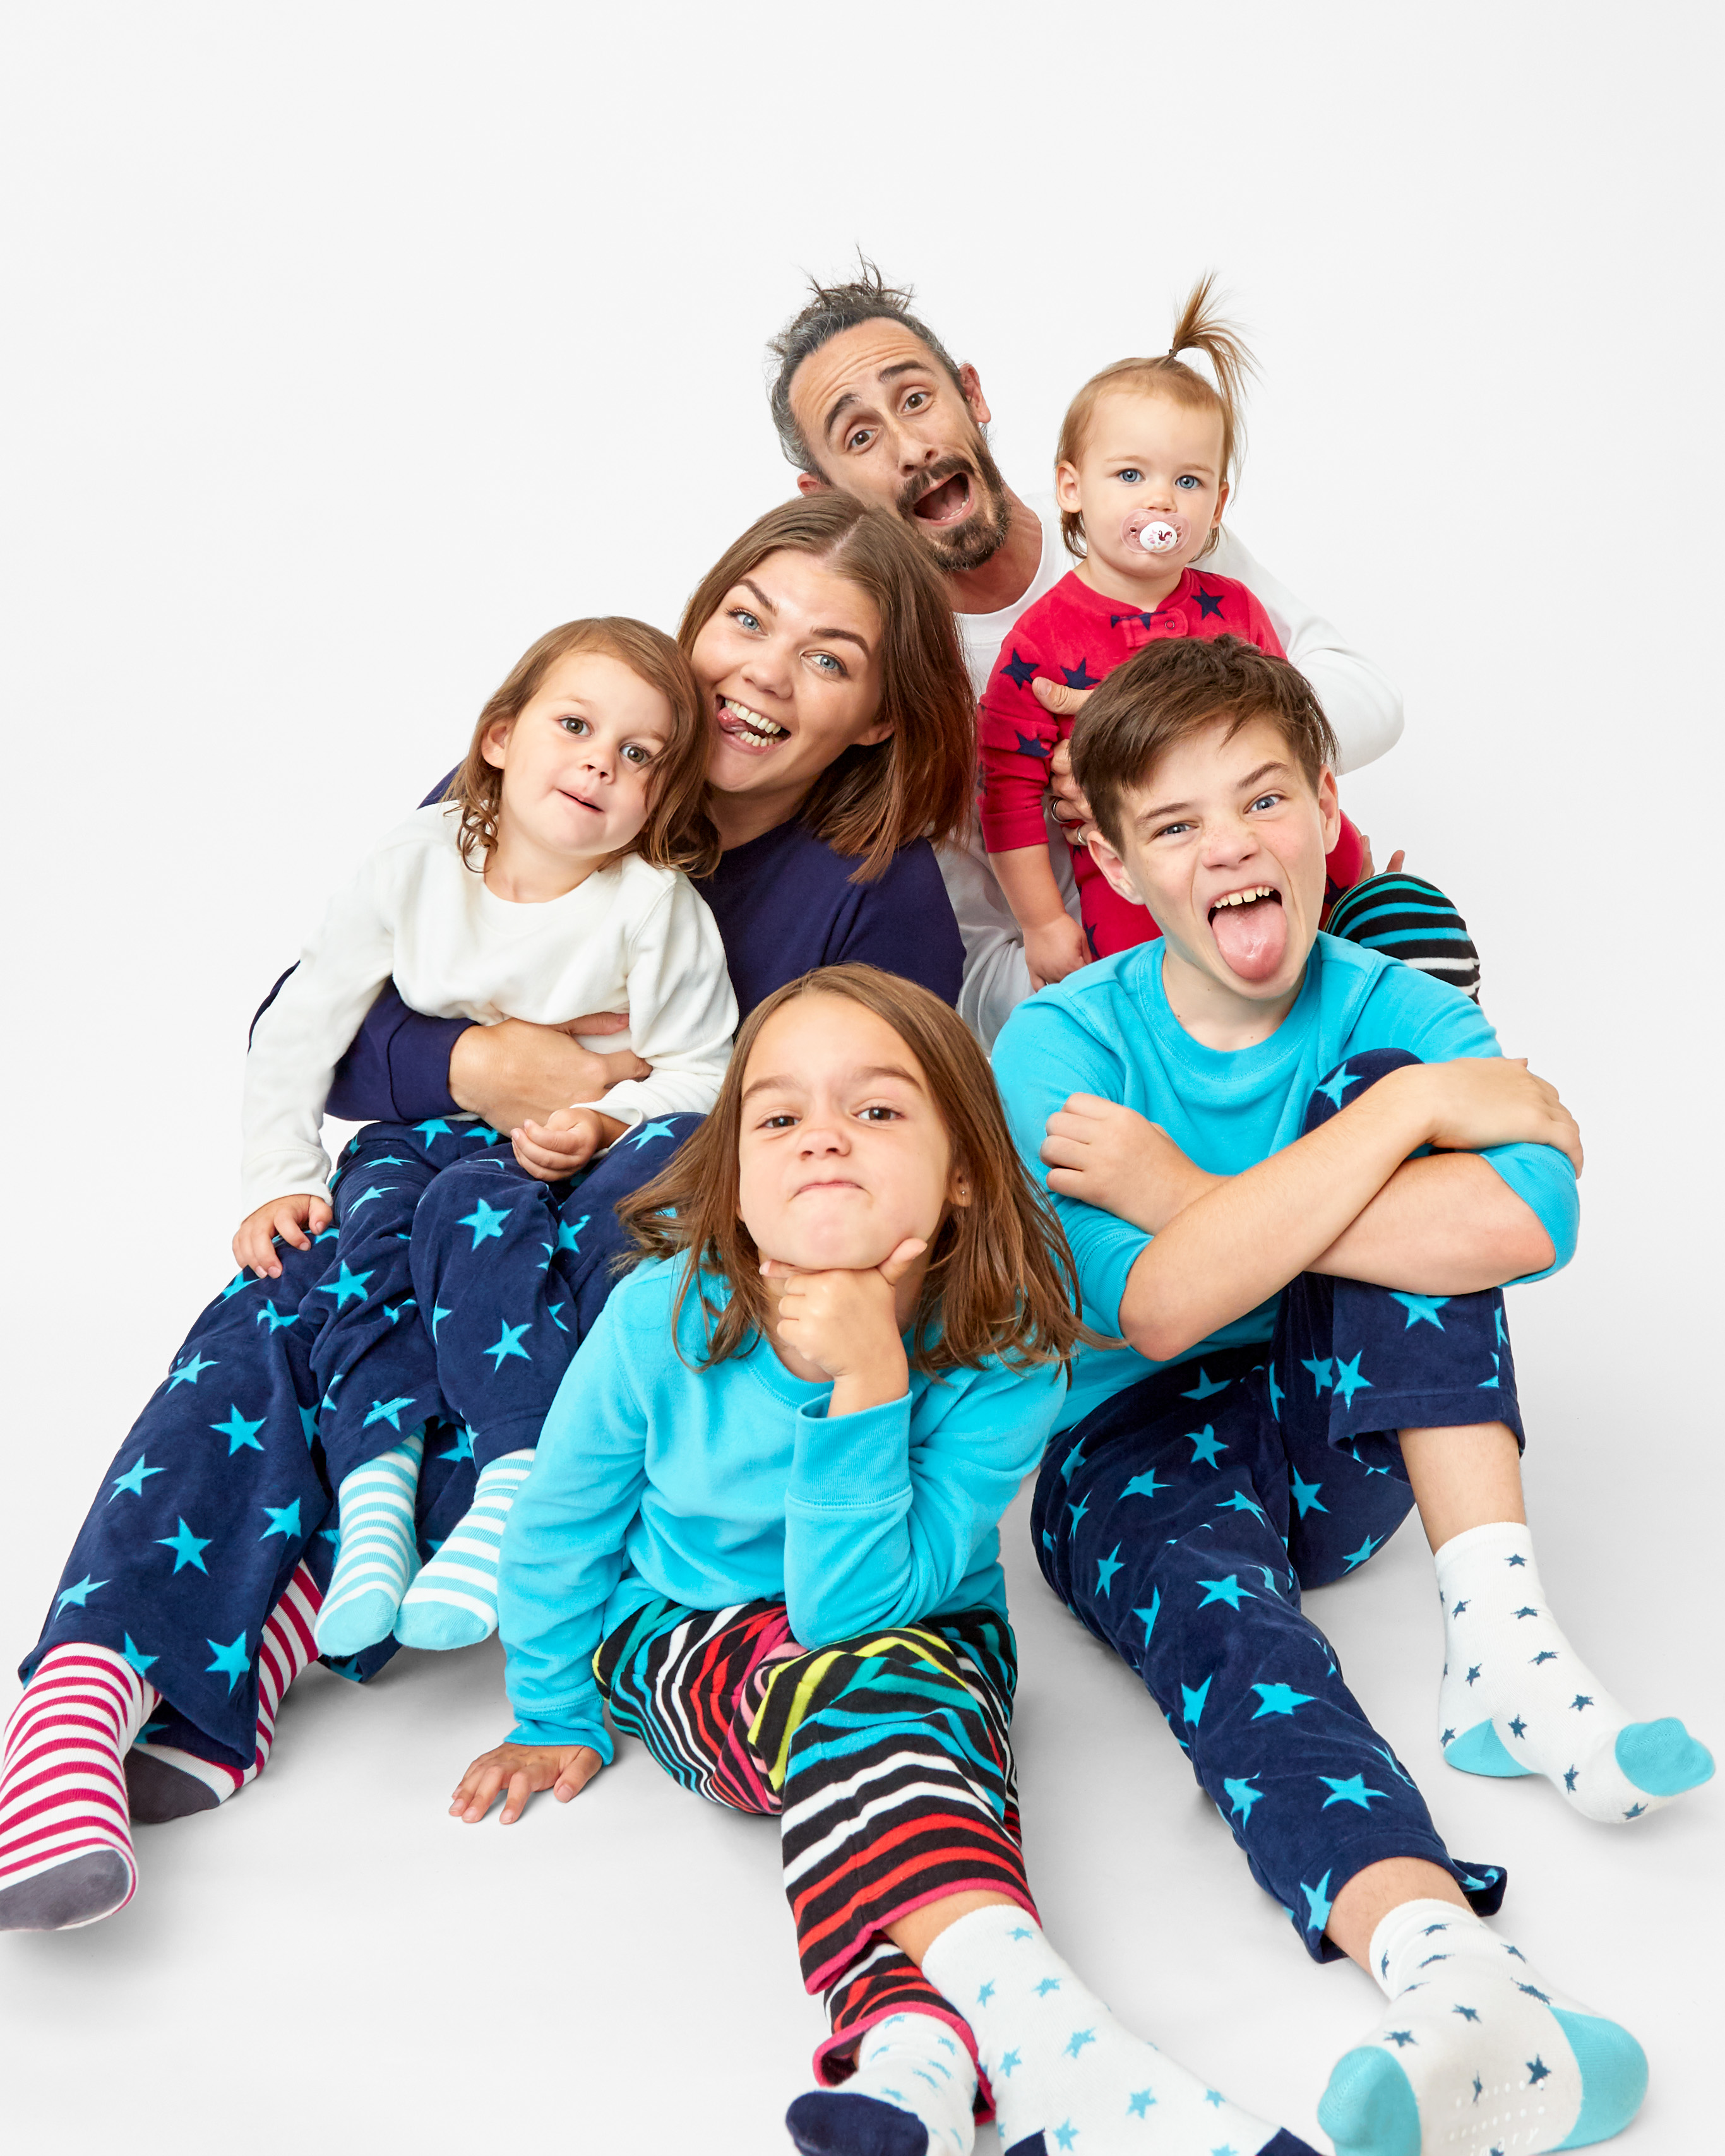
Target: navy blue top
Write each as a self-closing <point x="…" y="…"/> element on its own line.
<point x="785" y="904"/>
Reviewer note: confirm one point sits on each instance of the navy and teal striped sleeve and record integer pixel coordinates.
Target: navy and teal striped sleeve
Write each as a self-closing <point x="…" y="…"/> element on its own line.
<point x="564" y="1547"/>
<point x="1040" y="1057"/>
<point x="1438" y="1025"/>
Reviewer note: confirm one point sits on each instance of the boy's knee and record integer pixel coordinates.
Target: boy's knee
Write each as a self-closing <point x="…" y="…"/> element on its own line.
<point x="1349" y="1080"/>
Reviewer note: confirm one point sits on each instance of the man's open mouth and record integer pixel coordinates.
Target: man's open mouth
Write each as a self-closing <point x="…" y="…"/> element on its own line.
<point x="1252" y="932"/>
<point x="948" y="501"/>
<point x="738" y="723"/>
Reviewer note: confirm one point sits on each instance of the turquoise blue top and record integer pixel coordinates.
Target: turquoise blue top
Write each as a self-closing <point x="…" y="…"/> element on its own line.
<point x="1107" y="1030"/>
<point x="713" y="1486"/>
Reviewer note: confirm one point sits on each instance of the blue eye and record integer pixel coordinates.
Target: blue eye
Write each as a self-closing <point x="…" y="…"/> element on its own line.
<point x="744" y="618"/>
<point x="1187" y="481"/>
<point x="1266" y="801"/>
<point x="828" y="664"/>
<point x="1131" y="476"/>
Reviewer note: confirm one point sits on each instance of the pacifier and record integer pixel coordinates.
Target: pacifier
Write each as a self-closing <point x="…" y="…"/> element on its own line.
<point x="1156" y="537"/>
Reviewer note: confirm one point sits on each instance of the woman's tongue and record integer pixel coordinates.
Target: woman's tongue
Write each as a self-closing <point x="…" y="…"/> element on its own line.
<point x="1253" y="939"/>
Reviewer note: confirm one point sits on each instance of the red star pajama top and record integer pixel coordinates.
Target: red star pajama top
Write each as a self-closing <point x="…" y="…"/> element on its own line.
<point x="1078" y="636"/>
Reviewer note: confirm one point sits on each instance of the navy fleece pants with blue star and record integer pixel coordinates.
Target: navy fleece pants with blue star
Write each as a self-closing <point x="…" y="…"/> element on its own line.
<point x="439" y="1222"/>
<point x="1180" y="1520"/>
<point x="224" y="1483"/>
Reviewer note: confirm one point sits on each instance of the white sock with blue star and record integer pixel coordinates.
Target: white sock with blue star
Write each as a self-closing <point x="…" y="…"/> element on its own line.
<point x="376" y="1555"/>
<point x="913" y="2094"/>
<point x="453" y="1601"/>
<point x="1066" y="2075"/>
<point x="1478" y="2053"/>
<point x="1517" y="1699"/>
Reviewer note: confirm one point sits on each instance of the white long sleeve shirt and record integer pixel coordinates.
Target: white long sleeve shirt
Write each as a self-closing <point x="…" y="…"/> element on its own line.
<point x="1361" y="704"/>
<point x="630" y="938"/>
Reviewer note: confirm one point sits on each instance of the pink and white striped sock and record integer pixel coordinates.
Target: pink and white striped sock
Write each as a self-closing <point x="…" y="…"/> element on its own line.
<point x="166" y="1782"/>
<point x="66" y="1855"/>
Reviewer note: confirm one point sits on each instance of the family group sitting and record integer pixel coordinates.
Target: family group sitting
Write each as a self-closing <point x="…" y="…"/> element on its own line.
<point x="931" y="1021"/>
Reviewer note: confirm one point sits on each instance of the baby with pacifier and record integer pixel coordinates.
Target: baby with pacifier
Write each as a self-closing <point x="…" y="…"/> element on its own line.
<point x="1147" y="454"/>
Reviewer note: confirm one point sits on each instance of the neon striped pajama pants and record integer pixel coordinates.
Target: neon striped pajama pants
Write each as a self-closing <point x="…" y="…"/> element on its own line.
<point x="887" y="1760"/>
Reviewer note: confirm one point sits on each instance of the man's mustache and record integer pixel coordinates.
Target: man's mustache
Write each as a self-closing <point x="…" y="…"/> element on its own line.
<point x="937" y="474"/>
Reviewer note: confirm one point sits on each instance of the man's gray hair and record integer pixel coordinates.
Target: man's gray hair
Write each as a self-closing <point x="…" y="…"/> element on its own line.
<point x="830" y="312"/>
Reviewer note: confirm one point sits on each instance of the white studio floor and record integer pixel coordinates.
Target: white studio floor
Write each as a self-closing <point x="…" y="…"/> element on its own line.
<point x="330" y="1954"/>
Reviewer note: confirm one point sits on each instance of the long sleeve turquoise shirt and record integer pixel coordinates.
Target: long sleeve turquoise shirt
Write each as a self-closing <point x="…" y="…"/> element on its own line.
<point x="1107" y="1030"/>
<point x="655" y="1477"/>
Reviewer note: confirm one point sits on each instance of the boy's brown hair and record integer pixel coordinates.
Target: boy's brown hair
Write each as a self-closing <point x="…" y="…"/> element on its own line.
<point x="917" y="783"/>
<point x="1177" y="687"/>
<point x="1000" y="1280"/>
<point x="677" y="834"/>
<point x="1200" y="329"/>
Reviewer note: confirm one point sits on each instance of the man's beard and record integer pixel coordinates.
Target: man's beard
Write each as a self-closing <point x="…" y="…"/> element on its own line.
<point x="961" y="546"/>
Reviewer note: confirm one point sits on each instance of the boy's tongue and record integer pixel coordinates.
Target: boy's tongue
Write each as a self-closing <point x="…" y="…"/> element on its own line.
<point x="1252" y="939"/>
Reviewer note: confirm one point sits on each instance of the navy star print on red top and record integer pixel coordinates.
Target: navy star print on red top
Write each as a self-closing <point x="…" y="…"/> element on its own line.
<point x="1078" y="636"/>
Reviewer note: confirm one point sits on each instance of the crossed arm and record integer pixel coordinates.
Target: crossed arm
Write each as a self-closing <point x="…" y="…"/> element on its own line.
<point x="1347" y="1199"/>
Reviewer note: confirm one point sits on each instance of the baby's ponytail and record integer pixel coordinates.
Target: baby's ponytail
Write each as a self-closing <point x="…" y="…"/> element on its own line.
<point x="1199" y="328"/>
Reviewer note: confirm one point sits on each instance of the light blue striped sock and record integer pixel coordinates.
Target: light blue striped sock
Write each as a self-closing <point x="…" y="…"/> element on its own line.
<point x="374" y="1559"/>
<point x="453" y="1601"/>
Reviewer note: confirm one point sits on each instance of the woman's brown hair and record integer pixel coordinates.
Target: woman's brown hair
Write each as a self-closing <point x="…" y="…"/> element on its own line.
<point x="676" y="834"/>
<point x="916" y="783"/>
<point x="1000" y="1280"/>
<point x="1200" y="329"/>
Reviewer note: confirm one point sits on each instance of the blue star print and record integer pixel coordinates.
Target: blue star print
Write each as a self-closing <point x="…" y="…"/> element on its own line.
<point x="1106" y="1567"/>
<point x="1337" y="1083"/>
<point x="348" y="1286"/>
<point x="1023" y="671"/>
<point x="1143" y="1486"/>
<point x="1421" y="1309"/>
<point x="1317" y="1902"/>
<point x="482" y="1220"/>
<point x="271" y="1316"/>
<point x="1319" y="1367"/>
<point x="1306" y="1494"/>
<point x="1192" y="1703"/>
<point x="134" y="1479"/>
<point x="78" y="1597"/>
<point x="284" y="1521"/>
<point x="1348" y="1380"/>
<point x="508" y="1344"/>
<point x="434" y="1126"/>
<point x="239" y="1432"/>
<point x="1352" y="1791"/>
<point x="1206" y="1385"/>
<point x="1281" y="1699"/>
<point x="187" y="1547"/>
<point x="648" y="1132"/>
<point x="1205" y="1445"/>
<point x="188" y="1374"/>
<point x="1147" y="1617"/>
<point x="387" y="1411"/>
<point x="1244" y="1796"/>
<point x="139" y="1660"/>
<point x="1365" y="1550"/>
<point x="231" y="1662"/>
<point x="1228" y="1590"/>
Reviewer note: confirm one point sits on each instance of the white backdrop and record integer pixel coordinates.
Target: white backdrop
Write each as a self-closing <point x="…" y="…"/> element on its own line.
<point x="349" y="347"/>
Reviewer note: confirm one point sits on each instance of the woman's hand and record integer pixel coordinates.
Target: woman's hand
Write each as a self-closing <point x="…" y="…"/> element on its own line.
<point x="1114" y="1159"/>
<point x="1071" y="811"/>
<point x="846" y="1324"/>
<point x="1482" y="1101"/>
<point x="295" y="1219"/>
<point x="566" y="1769"/>
<point x="1054" y="948"/>
<point x="514" y="1073"/>
<point x="564" y="1144"/>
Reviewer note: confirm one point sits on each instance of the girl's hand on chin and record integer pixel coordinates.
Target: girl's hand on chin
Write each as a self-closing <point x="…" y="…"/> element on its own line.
<point x="522" y="1770"/>
<point x="846" y="1323"/>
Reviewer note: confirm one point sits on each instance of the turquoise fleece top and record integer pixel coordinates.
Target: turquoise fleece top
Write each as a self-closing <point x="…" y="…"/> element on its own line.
<point x="1107" y="1030"/>
<point x="714" y="1486"/>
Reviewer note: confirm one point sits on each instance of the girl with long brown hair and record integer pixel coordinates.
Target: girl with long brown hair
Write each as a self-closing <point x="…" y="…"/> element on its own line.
<point x="763" y="1528"/>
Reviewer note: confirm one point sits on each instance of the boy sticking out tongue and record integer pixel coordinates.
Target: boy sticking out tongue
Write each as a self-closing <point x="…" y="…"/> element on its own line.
<point x="1295" y="1175"/>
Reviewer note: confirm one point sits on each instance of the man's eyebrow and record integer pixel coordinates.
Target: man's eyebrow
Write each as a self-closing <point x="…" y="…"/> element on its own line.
<point x="886" y="374"/>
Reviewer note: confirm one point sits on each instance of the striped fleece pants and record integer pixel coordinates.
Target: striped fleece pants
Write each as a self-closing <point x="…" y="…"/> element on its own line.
<point x="887" y="1761"/>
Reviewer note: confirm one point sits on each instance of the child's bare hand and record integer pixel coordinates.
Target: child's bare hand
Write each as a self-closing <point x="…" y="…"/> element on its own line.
<point x="1059" y="948"/>
<point x="521" y="1771"/>
<point x="846" y="1323"/>
<point x="561" y="1145"/>
<point x="1482" y="1101"/>
<point x="295" y="1219"/>
<point x="1114" y="1159"/>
